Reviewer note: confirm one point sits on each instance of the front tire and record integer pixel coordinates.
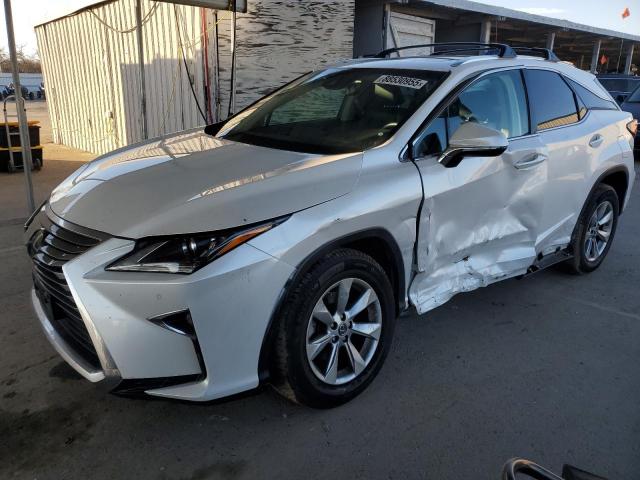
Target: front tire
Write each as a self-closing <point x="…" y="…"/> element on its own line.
<point x="334" y="331"/>
<point x="595" y="230"/>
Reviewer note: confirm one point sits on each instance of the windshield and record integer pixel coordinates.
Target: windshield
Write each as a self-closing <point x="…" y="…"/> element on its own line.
<point x="334" y="111"/>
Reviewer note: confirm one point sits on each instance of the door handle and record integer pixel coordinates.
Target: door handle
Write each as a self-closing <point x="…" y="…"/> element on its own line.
<point x="530" y="161"/>
<point x="596" y="141"/>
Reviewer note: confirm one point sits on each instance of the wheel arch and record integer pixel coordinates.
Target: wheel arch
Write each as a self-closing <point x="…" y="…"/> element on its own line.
<point x="612" y="177"/>
<point x="375" y="242"/>
<point x="618" y="179"/>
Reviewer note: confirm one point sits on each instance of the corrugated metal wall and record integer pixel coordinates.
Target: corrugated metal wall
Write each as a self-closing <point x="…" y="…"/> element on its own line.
<point x="90" y="67"/>
<point x="90" y="63"/>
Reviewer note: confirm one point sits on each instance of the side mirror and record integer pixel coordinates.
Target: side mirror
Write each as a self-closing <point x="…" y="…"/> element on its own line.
<point x="473" y="139"/>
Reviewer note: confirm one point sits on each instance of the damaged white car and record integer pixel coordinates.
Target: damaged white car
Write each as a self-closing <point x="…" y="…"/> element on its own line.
<point x="281" y="245"/>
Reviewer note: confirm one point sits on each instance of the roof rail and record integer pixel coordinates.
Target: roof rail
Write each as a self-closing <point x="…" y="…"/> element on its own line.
<point x="504" y="51"/>
<point x="536" y="51"/>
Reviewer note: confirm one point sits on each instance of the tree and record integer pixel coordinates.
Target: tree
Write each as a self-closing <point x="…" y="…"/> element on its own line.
<point x="26" y="63"/>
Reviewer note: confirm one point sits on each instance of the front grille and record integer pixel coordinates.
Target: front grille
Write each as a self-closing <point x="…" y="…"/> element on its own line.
<point x="50" y="247"/>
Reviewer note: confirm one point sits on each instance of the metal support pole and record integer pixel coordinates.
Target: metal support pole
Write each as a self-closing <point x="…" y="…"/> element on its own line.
<point x="25" y="141"/>
<point x="595" y="56"/>
<point x="619" y="56"/>
<point x="629" y="60"/>
<point x="143" y="88"/>
<point x="232" y="100"/>
<point x="551" y="40"/>
<point x="485" y="31"/>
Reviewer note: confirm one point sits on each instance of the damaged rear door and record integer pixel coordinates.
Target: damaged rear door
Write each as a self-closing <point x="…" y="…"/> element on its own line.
<point x="480" y="219"/>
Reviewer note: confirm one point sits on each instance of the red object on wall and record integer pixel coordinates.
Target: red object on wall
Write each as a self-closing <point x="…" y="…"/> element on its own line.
<point x="626" y="12"/>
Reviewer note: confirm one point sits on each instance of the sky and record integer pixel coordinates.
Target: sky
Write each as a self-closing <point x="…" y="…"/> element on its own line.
<point x="598" y="13"/>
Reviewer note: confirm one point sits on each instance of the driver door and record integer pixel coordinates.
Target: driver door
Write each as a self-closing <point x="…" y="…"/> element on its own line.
<point x="479" y="220"/>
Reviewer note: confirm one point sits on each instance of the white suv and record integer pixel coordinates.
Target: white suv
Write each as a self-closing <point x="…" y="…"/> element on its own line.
<point x="282" y="244"/>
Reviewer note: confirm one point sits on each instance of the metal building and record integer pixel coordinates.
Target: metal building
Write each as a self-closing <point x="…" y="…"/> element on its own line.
<point x="91" y="58"/>
<point x="386" y="23"/>
<point x="90" y="62"/>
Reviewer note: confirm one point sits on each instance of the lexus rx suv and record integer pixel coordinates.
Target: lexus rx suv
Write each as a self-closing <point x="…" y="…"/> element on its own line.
<point x="281" y="245"/>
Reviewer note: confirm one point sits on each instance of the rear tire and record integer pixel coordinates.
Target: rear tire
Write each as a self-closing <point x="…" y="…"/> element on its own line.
<point x="312" y="330"/>
<point x="595" y="230"/>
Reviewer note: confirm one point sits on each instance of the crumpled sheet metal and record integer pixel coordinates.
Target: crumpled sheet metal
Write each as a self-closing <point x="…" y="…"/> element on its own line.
<point x="475" y="231"/>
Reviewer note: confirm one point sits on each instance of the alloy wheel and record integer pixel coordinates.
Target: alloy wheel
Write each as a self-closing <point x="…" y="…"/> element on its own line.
<point x="344" y="331"/>
<point x="598" y="231"/>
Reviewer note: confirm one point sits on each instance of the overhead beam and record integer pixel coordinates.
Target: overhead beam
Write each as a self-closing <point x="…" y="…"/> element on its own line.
<point x="240" y="5"/>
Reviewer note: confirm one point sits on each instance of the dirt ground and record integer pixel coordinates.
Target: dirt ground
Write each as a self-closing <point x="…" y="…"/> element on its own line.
<point x="59" y="162"/>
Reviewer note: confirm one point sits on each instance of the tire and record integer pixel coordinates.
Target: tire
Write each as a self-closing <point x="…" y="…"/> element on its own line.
<point x="294" y="373"/>
<point x="584" y="258"/>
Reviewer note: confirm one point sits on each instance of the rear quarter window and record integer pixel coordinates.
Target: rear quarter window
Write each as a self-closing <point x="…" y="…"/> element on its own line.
<point x="552" y="102"/>
<point x="590" y="99"/>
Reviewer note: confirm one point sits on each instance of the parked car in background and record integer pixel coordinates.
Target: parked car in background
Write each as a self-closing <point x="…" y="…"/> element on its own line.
<point x="11" y="90"/>
<point x="42" y="91"/>
<point x="32" y="92"/>
<point x="619" y="85"/>
<point x="632" y="105"/>
<point x="283" y="243"/>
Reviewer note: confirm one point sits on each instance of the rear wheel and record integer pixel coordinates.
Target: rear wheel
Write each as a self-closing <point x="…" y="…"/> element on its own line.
<point x="335" y="330"/>
<point x="595" y="230"/>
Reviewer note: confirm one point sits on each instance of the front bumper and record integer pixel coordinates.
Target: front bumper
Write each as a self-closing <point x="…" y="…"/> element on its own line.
<point x="79" y="364"/>
<point x="230" y="302"/>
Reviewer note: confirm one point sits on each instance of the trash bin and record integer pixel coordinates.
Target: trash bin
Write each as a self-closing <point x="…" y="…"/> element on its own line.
<point x="10" y="140"/>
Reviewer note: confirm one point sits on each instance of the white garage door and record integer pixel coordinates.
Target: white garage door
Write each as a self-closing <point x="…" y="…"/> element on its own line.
<point x="404" y="30"/>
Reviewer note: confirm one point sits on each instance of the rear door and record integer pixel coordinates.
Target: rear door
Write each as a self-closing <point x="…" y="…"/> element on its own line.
<point x="480" y="219"/>
<point x="573" y="139"/>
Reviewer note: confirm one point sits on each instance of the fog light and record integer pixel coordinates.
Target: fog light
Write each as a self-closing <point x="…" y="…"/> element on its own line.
<point x="178" y="322"/>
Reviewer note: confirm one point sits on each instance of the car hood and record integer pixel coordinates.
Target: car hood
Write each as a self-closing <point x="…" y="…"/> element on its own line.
<point x="191" y="182"/>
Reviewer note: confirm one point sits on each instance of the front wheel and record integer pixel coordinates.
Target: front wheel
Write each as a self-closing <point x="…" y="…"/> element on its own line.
<point x="334" y="331"/>
<point x="595" y="230"/>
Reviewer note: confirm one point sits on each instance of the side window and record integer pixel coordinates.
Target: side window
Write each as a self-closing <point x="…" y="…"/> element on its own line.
<point x="552" y="102"/>
<point x="433" y="139"/>
<point x="497" y="101"/>
<point x="590" y="99"/>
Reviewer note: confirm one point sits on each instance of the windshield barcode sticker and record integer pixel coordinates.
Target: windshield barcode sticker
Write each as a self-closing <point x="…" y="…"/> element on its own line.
<point x="398" y="81"/>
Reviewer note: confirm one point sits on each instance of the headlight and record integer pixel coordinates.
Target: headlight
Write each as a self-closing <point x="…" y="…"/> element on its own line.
<point x="185" y="254"/>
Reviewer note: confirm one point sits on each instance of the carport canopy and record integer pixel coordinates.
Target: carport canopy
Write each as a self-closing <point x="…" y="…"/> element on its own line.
<point x="582" y="45"/>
